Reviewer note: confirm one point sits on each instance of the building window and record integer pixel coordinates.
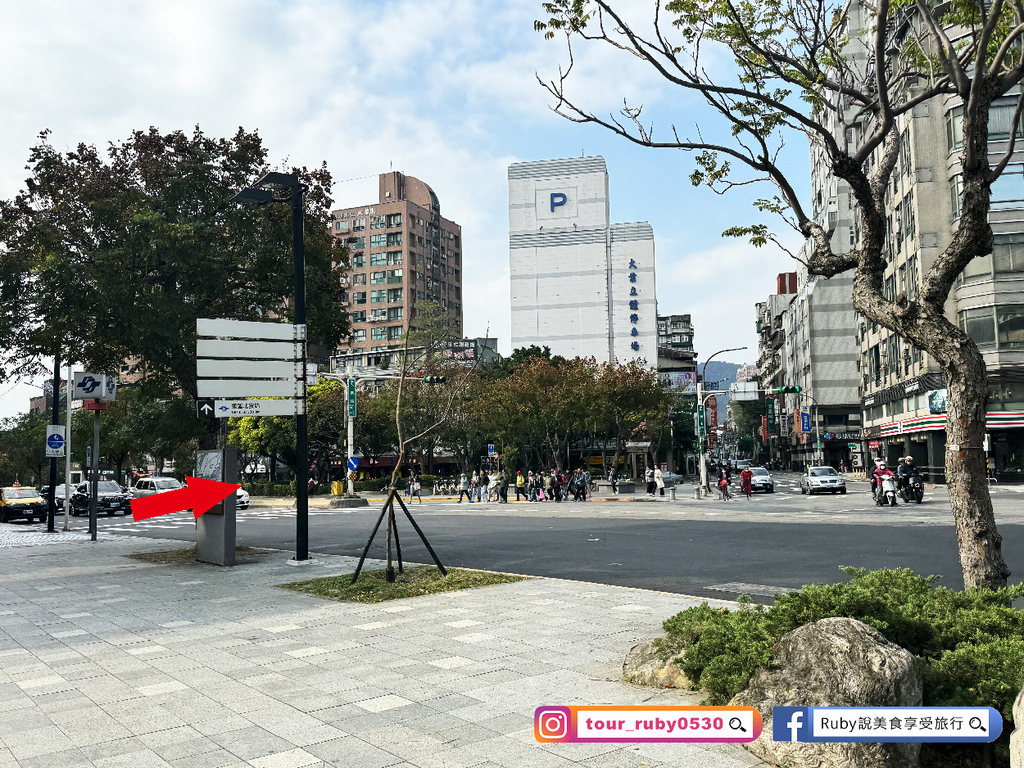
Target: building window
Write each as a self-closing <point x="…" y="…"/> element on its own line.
<point x="394" y="219"/>
<point x="397" y="332"/>
<point x="358" y="225"/>
<point x="378" y="333"/>
<point x="358" y="316"/>
<point x="359" y="297"/>
<point x="377" y="222"/>
<point x="956" y="195"/>
<point x="378" y="241"/>
<point x="378" y="259"/>
<point x="359" y="335"/>
<point x="358" y="260"/>
<point x="378" y="315"/>
<point x="359" y="279"/>
<point x="377" y="278"/>
<point x="394" y="239"/>
<point x="1010" y="326"/>
<point x="395" y="313"/>
<point x="376" y="296"/>
<point x="394" y="275"/>
<point x="394" y="294"/>
<point x="979" y="324"/>
<point x="1008" y="254"/>
<point x="394" y="257"/>
<point x="1008" y="189"/>
<point x="955" y="129"/>
<point x="341" y="226"/>
<point x="1000" y="117"/>
<point x="357" y="243"/>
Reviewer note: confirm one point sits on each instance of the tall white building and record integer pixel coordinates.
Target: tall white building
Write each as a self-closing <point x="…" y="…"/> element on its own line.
<point x="580" y="285"/>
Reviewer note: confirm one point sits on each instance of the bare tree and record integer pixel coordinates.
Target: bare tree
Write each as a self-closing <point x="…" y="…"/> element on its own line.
<point x="844" y="77"/>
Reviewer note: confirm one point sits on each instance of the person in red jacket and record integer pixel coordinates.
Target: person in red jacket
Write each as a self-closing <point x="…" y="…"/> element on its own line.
<point x="745" y="477"/>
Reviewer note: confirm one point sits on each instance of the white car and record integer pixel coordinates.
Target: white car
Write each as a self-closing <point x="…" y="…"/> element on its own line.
<point x="150" y="486"/>
<point x="241" y="499"/>
<point x="823" y="480"/>
<point x="762" y="480"/>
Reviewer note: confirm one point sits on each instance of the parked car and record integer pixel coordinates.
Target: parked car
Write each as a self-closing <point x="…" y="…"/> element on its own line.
<point x="823" y="479"/>
<point x="241" y="499"/>
<point x="58" y="499"/>
<point x="111" y="498"/>
<point x="762" y="480"/>
<point x="671" y="478"/>
<point x="148" y="486"/>
<point x="19" y="502"/>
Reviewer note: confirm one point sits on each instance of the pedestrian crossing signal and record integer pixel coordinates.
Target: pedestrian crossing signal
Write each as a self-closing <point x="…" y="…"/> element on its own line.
<point x="434" y="379"/>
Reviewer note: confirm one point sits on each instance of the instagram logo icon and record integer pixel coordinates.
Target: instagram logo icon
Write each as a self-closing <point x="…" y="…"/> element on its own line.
<point x="552" y="723"/>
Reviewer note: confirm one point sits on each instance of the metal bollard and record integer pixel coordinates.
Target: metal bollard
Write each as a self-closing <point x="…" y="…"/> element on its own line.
<point x="672" y="492"/>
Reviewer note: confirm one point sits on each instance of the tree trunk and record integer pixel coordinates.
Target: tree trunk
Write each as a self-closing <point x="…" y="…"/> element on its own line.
<point x="981" y="556"/>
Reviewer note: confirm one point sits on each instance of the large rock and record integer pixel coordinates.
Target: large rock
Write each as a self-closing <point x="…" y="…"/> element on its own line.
<point x="1017" y="737"/>
<point x="644" y="665"/>
<point x="834" y="663"/>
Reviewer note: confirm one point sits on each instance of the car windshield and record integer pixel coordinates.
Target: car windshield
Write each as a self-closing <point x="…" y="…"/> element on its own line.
<point x="759" y="471"/>
<point x="108" y="487"/>
<point x="21" y="493"/>
<point x="166" y="484"/>
<point x="822" y="471"/>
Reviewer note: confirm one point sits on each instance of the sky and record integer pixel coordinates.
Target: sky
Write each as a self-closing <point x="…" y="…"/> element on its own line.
<point x="445" y="91"/>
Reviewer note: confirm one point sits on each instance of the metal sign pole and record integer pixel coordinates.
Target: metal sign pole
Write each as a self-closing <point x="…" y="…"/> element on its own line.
<point x="51" y="497"/>
<point x="67" y="454"/>
<point x="94" y="487"/>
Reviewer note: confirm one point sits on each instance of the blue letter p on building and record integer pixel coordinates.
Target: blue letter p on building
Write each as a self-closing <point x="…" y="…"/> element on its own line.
<point x="557" y="199"/>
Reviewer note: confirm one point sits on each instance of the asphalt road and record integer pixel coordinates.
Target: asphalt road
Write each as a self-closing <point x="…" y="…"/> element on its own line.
<point x="783" y="540"/>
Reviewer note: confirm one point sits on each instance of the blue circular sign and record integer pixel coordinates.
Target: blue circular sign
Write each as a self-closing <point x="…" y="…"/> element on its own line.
<point x="353" y="463"/>
<point x="55" y="441"/>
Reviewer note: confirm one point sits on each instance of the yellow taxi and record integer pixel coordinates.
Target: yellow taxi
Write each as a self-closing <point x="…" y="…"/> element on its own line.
<point x="18" y="501"/>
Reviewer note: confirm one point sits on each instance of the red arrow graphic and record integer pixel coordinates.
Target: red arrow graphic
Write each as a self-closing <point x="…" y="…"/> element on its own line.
<point x="198" y="495"/>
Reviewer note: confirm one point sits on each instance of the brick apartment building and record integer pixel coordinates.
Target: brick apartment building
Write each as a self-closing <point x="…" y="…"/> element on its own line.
<point x="402" y="252"/>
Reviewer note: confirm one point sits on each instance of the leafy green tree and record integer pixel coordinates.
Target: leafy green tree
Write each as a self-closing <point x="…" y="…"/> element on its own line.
<point x="849" y="78"/>
<point x="23" y="448"/>
<point x="628" y="396"/>
<point x="116" y="254"/>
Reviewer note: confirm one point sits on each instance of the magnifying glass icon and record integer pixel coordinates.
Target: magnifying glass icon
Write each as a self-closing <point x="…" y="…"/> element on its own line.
<point x="975" y="723"/>
<point x="737" y="724"/>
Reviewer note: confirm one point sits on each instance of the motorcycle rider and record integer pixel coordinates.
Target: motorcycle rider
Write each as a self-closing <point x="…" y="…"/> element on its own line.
<point x="881" y="472"/>
<point x="907" y="470"/>
<point x="900" y="477"/>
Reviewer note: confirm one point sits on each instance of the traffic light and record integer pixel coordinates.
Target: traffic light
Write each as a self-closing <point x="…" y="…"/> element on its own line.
<point x="434" y="379"/>
<point x="786" y="390"/>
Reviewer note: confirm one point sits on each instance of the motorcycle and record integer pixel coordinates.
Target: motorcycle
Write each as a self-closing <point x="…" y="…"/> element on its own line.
<point x="913" y="489"/>
<point x="887" y="493"/>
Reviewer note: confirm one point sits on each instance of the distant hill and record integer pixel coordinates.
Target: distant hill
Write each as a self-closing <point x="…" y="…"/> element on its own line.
<point x="723" y="374"/>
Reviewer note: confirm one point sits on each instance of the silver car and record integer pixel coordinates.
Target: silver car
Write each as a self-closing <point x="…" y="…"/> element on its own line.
<point x="149" y="486"/>
<point x="822" y="480"/>
<point x="762" y="480"/>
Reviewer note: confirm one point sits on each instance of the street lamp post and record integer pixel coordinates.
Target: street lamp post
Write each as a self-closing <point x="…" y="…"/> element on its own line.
<point x="704" y="490"/>
<point x="277" y="187"/>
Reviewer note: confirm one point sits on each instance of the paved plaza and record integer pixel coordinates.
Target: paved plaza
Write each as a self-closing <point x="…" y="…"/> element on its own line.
<point x="110" y="662"/>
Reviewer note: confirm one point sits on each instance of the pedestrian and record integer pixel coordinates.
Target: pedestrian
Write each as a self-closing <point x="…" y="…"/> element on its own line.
<point x="613" y="478"/>
<point x="503" y="488"/>
<point x="464" y="488"/>
<point x="548" y="495"/>
<point x="311" y="485"/>
<point x="556" y="486"/>
<point x="474" y="484"/>
<point x="746" y="476"/>
<point x="492" y="486"/>
<point x="723" y="483"/>
<point x="842" y="467"/>
<point x="521" y="486"/>
<point x="531" y="486"/>
<point x="659" y="480"/>
<point x="649" y="479"/>
<point x="586" y="483"/>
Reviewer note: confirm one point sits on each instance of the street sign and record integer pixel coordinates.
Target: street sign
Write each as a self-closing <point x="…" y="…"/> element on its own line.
<point x="351" y="398"/>
<point x="54" y="441"/>
<point x="353" y="463"/>
<point x="241" y="329"/>
<point x="226" y="409"/>
<point x="204" y="407"/>
<point x="490" y="449"/>
<point x="872" y="445"/>
<point x="353" y="476"/>
<point x="769" y="411"/>
<point x="94" y="405"/>
<point x="249" y="350"/>
<point x="246" y="388"/>
<point x="87" y="386"/>
<point x="805" y="421"/>
<point x="109" y="389"/>
<point x="249" y="369"/>
<point x="852" y="446"/>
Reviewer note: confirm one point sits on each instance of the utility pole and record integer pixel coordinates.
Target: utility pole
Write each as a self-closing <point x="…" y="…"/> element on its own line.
<point x="67" y="454"/>
<point x="51" y="500"/>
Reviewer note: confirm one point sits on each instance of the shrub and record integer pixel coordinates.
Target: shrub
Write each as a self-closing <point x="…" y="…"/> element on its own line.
<point x="970" y="643"/>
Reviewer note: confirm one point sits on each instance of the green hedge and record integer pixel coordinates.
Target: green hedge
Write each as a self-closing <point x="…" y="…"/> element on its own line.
<point x="970" y="644"/>
<point x="265" y="488"/>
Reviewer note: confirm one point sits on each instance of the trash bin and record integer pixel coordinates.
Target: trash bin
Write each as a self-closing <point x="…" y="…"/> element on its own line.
<point x="338" y="488"/>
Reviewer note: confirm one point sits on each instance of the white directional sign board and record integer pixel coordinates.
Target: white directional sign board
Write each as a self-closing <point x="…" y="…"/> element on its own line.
<point x="238" y="361"/>
<point x="225" y="409"/>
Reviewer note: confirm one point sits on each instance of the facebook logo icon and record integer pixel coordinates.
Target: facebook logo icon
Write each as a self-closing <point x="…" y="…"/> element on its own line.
<point x="791" y="723"/>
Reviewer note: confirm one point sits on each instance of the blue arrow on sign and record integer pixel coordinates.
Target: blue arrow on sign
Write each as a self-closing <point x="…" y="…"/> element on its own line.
<point x="353" y="463"/>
